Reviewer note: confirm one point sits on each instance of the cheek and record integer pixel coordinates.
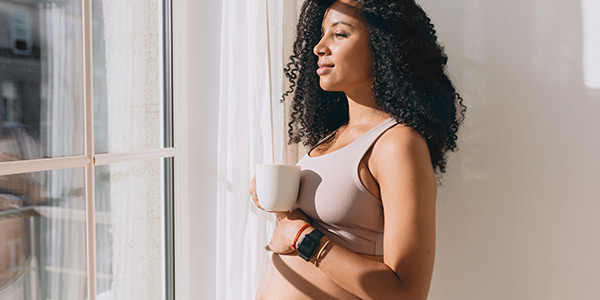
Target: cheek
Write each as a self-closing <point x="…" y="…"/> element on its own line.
<point x="364" y="59"/>
<point x="359" y="63"/>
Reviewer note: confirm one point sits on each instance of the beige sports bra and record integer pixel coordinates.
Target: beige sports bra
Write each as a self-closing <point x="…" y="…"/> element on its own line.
<point x="333" y="196"/>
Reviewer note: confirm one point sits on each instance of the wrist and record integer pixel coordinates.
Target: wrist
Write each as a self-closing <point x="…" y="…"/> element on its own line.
<point x="324" y="243"/>
<point x="312" y="245"/>
<point x="302" y="235"/>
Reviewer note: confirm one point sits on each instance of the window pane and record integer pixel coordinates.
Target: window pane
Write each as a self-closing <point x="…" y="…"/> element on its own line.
<point x="41" y="99"/>
<point x="127" y="75"/>
<point x="42" y="236"/>
<point x="130" y="230"/>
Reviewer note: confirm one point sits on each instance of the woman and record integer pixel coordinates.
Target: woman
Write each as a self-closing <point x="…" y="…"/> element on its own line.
<point x="374" y="102"/>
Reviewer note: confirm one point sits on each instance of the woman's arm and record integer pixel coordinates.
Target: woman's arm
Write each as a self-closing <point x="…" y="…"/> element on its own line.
<point x="401" y="165"/>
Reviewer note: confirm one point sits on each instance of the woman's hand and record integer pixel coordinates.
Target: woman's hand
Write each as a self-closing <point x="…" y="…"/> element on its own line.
<point x="254" y="197"/>
<point x="252" y="193"/>
<point x="286" y="230"/>
<point x="288" y="225"/>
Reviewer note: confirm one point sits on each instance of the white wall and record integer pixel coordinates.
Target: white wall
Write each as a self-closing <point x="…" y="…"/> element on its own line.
<point x="196" y="54"/>
<point x="203" y="79"/>
<point x="517" y="216"/>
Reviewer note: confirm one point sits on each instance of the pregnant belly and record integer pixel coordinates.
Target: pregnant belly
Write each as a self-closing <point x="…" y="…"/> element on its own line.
<point x="290" y="277"/>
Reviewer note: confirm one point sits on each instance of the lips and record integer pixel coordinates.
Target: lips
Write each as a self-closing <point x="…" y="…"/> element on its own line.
<point x="324" y="68"/>
<point x="325" y="65"/>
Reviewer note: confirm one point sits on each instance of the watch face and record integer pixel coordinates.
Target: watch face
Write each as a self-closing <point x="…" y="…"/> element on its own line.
<point x="308" y="244"/>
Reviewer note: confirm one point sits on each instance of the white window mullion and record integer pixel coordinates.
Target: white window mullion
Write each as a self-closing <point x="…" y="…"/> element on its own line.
<point x="89" y="147"/>
<point x="112" y="158"/>
<point x="42" y="164"/>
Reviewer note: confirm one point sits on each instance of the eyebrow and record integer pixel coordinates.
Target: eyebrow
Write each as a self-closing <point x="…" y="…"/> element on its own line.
<point x="338" y="23"/>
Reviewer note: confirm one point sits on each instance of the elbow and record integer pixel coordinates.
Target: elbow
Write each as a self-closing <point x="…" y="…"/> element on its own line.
<point x="386" y="284"/>
<point x="416" y="292"/>
<point x="404" y="291"/>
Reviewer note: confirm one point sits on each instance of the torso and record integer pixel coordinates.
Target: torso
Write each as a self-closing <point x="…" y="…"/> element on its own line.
<point x="289" y="276"/>
<point x="346" y="137"/>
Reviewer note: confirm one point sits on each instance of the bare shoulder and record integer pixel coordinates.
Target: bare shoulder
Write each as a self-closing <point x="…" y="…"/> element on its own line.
<point x="402" y="131"/>
<point x="401" y="149"/>
<point x="400" y="140"/>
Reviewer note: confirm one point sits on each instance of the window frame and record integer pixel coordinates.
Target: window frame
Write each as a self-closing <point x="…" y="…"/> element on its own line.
<point x="89" y="161"/>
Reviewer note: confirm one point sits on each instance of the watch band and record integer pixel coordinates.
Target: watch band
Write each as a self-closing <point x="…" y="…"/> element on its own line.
<point x="309" y="244"/>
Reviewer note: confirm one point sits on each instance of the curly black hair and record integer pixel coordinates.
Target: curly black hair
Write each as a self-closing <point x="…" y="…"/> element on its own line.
<point x="410" y="81"/>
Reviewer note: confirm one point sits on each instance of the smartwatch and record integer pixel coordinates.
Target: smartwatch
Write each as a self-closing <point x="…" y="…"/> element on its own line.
<point x="309" y="244"/>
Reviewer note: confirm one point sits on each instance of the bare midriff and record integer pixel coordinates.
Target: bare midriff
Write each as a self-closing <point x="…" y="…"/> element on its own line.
<point x="290" y="277"/>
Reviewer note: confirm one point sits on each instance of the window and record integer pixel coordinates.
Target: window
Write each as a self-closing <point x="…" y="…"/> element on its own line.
<point x="86" y="150"/>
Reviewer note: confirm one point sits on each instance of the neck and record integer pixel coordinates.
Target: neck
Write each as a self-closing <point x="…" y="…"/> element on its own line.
<point x="362" y="109"/>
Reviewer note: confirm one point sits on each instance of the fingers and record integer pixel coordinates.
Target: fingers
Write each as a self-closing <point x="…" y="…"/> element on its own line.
<point x="255" y="199"/>
<point x="279" y="250"/>
<point x="253" y="195"/>
<point x="281" y="214"/>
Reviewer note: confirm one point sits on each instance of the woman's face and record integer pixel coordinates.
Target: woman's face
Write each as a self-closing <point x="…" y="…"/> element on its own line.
<point x="344" y="52"/>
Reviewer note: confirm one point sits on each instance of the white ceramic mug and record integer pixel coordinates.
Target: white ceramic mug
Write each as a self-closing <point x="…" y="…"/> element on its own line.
<point x="277" y="186"/>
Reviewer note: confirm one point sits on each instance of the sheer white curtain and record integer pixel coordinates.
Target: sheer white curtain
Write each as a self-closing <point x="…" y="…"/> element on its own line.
<point x="256" y="38"/>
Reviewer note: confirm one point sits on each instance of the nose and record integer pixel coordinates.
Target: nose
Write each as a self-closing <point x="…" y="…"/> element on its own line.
<point x="321" y="48"/>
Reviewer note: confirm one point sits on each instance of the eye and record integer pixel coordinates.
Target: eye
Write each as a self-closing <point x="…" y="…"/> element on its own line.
<point x="339" y="34"/>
